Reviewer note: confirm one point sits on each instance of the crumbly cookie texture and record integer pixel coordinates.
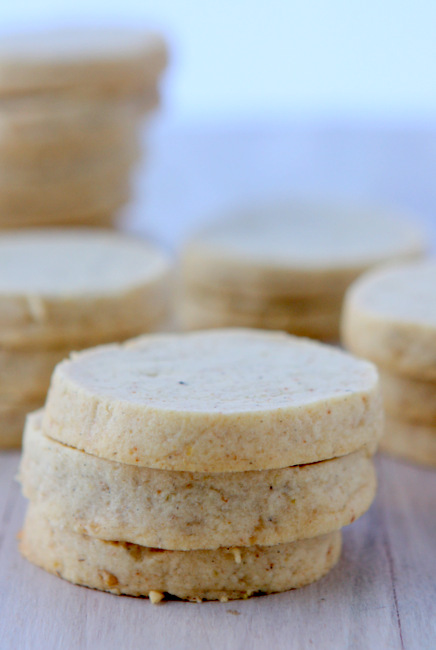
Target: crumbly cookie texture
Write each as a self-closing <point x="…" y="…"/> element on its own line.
<point x="222" y="574"/>
<point x="390" y="317"/>
<point x="297" y="248"/>
<point x="411" y="441"/>
<point x="70" y="282"/>
<point x="186" y="510"/>
<point x="408" y="399"/>
<point x="215" y="401"/>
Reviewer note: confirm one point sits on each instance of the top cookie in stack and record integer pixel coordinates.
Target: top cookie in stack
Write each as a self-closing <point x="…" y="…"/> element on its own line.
<point x="287" y="266"/>
<point x="72" y="103"/>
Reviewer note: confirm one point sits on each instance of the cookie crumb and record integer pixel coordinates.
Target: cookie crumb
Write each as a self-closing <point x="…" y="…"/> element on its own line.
<point x="155" y="597"/>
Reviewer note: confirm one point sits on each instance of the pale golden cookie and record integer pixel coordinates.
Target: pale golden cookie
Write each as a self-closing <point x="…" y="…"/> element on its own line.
<point x="297" y="248"/>
<point x="67" y="286"/>
<point x="390" y="317"/>
<point x="222" y="574"/>
<point x="215" y="401"/>
<point x="185" y="510"/>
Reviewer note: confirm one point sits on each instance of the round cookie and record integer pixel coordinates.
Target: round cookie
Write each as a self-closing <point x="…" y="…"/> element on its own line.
<point x="92" y="61"/>
<point x="297" y="248"/>
<point x="185" y="510"/>
<point x="222" y="574"/>
<point x="413" y="442"/>
<point x="62" y="286"/>
<point x="215" y="401"/>
<point x="390" y="317"/>
<point x="409" y="399"/>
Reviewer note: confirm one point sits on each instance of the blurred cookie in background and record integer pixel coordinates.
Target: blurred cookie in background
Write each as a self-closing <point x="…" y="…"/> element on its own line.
<point x="287" y="265"/>
<point x="390" y="318"/>
<point x="64" y="290"/>
<point x="73" y="106"/>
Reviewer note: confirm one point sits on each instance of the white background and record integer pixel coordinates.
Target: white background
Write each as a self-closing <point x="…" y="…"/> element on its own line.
<point x="236" y="59"/>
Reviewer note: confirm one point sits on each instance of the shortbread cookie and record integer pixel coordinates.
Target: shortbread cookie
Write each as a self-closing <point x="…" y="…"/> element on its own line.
<point x="324" y="326"/>
<point x="222" y="574"/>
<point x="58" y="284"/>
<point x="414" y="442"/>
<point x="409" y="399"/>
<point x="390" y="318"/>
<point x="12" y="417"/>
<point x="92" y="61"/>
<point x="215" y="401"/>
<point x="185" y="510"/>
<point x="297" y="248"/>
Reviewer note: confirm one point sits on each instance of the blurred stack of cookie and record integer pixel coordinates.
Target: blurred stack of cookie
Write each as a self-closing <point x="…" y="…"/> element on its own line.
<point x="67" y="290"/>
<point x="210" y="465"/>
<point x="286" y="266"/>
<point x="390" y="318"/>
<point x="72" y="110"/>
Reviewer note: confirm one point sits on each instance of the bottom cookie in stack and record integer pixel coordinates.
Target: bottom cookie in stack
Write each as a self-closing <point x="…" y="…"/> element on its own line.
<point x="390" y="318"/>
<point x="220" y="574"/>
<point x="147" y="495"/>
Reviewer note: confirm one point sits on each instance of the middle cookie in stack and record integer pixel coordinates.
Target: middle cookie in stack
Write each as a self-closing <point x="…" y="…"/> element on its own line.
<point x="210" y="466"/>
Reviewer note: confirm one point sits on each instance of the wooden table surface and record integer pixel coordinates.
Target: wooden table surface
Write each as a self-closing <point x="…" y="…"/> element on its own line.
<point x="382" y="594"/>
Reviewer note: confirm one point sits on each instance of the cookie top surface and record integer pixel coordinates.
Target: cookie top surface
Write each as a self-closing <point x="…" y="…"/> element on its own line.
<point x="220" y="373"/>
<point x="170" y="396"/>
<point x="60" y="263"/>
<point x="312" y="236"/>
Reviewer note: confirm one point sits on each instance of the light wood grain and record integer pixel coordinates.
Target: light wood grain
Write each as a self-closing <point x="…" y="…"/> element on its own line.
<point x="382" y="594"/>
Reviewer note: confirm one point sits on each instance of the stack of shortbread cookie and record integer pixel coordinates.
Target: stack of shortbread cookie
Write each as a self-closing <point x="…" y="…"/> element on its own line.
<point x="210" y="465"/>
<point x="67" y="290"/>
<point x="390" y="318"/>
<point x="72" y="104"/>
<point x="287" y="266"/>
